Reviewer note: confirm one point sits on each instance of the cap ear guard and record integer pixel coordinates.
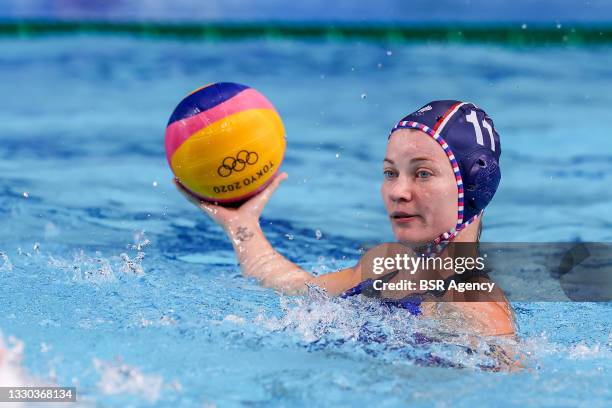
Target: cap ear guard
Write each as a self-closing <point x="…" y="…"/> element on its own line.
<point x="483" y="177"/>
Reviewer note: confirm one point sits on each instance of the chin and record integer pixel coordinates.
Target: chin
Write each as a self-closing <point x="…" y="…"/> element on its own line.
<point x="411" y="237"/>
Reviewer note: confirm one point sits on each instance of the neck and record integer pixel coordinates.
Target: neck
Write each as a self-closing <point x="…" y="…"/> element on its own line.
<point x="469" y="233"/>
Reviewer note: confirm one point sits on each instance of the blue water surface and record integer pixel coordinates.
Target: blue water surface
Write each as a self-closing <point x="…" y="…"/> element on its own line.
<point x="118" y="286"/>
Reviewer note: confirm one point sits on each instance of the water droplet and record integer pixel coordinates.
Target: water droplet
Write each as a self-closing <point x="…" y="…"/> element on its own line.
<point x="524" y="26"/>
<point x="337" y="155"/>
<point x="559" y="25"/>
<point x="155" y="184"/>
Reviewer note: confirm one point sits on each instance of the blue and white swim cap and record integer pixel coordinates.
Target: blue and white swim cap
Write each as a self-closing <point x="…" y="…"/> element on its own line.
<point x="468" y="137"/>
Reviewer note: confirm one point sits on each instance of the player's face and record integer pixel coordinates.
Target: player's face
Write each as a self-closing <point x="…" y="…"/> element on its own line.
<point x="419" y="188"/>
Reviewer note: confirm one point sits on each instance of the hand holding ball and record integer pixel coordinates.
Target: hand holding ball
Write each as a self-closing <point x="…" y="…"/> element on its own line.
<point x="225" y="142"/>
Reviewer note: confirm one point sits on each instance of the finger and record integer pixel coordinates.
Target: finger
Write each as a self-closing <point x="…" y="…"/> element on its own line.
<point x="210" y="208"/>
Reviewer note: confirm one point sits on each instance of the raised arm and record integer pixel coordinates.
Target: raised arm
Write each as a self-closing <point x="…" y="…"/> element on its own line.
<point x="257" y="258"/>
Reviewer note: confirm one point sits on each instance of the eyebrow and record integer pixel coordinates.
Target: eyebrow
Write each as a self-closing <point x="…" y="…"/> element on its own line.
<point x="416" y="159"/>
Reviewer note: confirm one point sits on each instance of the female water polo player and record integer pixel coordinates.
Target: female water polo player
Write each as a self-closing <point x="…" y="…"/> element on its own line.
<point x="441" y="169"/>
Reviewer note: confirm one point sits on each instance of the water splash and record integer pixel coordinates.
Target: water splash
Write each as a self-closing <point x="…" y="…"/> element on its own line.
<point x="134" y="265"/>
<point x="84" y="268"/>
<point x="541" y="347"/>
<point x="12" y="373"/>
<point x="117" y="377"/>
<point x="98" y="268"/>
<point x="165" y="320"/>
<point x="584" y="351"/>
<point x="6" y="265"/>
<point x="140" y="241"/>
<point x="365" y="326"/>
<point x="234" y="319"/>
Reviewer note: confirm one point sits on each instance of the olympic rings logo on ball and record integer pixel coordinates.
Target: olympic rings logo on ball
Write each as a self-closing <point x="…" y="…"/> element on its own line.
<point x="237" y="163"/>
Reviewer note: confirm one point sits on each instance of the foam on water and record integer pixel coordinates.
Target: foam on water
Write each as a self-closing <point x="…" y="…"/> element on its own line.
<point x="98" y="268"/>
<point x="317" y="321"/>
<point x="6" y="265"/>
<point x="117" y="377"/>
<point x="11" y="371"/>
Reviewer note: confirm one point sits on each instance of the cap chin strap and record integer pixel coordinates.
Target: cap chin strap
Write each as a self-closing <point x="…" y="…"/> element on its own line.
<point x="435" y="247"/>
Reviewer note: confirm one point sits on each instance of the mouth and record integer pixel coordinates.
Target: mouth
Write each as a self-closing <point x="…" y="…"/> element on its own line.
<point x="403" y="217"/>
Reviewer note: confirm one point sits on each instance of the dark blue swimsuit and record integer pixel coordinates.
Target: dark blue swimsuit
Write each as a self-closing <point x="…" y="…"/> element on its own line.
<point x="411" y="303"/>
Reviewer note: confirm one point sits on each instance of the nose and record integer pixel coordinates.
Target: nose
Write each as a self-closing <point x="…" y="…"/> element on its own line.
<point x="401" y="190"/>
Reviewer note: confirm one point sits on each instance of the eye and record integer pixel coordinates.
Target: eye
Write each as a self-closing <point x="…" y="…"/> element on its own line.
<point x="423" y="174"/>
<point x="389" y="174"/>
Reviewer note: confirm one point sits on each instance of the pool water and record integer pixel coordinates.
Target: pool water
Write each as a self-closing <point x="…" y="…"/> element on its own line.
<point x="113" y="283"/>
